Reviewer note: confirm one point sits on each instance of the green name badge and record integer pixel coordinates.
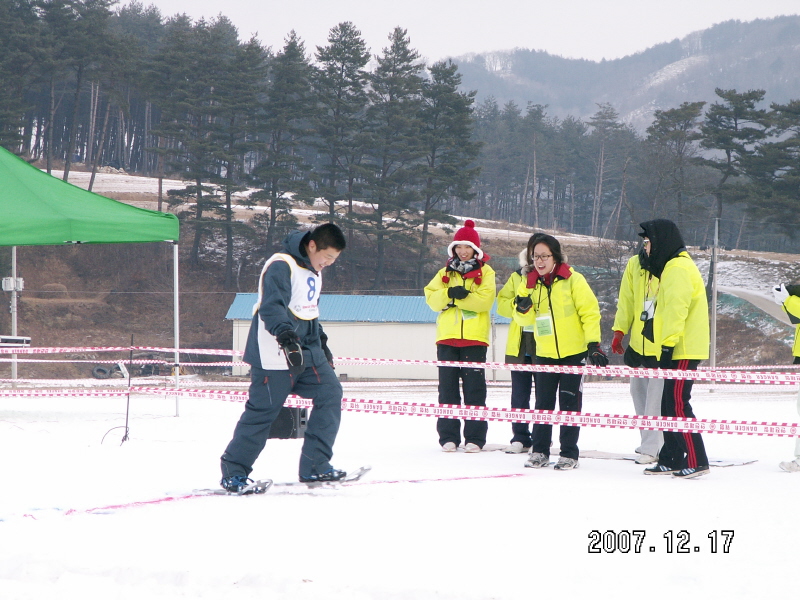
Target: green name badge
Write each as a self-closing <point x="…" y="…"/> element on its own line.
<point x="544" y="325"/>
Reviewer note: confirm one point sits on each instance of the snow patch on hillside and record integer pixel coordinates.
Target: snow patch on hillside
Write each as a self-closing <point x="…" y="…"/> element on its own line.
<point x="757" y="274"/>
<point x="673" y="70"/>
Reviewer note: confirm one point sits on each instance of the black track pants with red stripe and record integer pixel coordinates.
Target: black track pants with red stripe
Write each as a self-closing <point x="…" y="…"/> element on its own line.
<point x="681" y="450"/>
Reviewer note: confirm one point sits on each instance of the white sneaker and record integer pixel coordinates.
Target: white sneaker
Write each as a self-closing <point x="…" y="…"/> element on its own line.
<point x="537" y="460"/>
<point x="646" y="459"/>
<point x="516" y="448"/>
<point x="449" y="447"/>
<point x="791" y="466"/>
<point x="472" y="448"/>
<point x="566" y="464"/>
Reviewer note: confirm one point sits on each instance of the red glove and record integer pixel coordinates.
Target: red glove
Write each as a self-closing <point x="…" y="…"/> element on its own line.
<point x="616" y="343"/>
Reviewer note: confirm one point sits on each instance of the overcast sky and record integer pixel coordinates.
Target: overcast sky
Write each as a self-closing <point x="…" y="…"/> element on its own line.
<point x="592" y="29"/>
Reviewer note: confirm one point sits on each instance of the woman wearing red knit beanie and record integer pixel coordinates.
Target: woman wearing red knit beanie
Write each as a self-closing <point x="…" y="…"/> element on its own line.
<point x="462" y="292"/>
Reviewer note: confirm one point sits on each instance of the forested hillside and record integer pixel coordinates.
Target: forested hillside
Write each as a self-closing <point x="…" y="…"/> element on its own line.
<point x="761" y="54"/>
<point x="394" y="146"/>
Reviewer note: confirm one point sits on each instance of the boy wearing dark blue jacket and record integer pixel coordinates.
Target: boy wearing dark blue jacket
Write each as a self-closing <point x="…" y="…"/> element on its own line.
<point x="288" y="354"/>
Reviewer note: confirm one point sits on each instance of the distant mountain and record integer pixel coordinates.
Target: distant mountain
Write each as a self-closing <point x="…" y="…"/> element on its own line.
<point x="762" y="54"/>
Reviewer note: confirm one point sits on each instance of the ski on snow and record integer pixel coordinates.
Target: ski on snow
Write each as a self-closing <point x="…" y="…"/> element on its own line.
<point x="349" y="478"/>
<point x="619" y="456"/>
<point x="262" y="486"/>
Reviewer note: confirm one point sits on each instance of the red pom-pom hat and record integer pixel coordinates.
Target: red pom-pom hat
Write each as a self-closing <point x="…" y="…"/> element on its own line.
<point x="467" y="235"/>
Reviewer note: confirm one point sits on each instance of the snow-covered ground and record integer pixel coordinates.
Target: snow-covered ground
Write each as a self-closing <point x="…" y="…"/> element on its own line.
<point x="85" y="516"/>
<point x="105" y="183"/>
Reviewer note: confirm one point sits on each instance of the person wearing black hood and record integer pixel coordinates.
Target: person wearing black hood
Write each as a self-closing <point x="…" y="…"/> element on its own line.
<point x="635" y="309"/>
<point x="681" y="332"/>
<point x="287" y="351"/>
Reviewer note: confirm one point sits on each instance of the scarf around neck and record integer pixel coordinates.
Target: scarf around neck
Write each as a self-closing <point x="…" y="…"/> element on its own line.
<point x="463" y="267"/>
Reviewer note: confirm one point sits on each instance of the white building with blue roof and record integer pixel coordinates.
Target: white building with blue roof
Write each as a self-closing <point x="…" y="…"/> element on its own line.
<point x="361" y="326"/>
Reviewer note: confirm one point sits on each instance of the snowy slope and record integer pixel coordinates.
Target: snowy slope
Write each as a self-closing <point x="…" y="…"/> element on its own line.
<point x="76" y="521"/>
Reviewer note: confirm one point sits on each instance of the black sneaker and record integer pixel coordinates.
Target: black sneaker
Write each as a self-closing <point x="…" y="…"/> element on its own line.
<point x="331" y="475"/>
<point x="690" y="472"/>
<point x="235" y="484"/>
<point x="659" y="470"/>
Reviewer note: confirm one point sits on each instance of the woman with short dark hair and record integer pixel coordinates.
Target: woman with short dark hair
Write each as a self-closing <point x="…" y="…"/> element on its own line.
<point x="558" y="302"/>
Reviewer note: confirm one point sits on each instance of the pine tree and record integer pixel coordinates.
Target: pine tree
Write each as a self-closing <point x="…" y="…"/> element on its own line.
<point x="289" y="107"/>
<point x="536" y="151"/>
<point x="774" y="171"/>
<point x="671" y="149"/>
<point x="732" y="128"/>
<point x="490" y="134"/>
<point x="393" y="149"/>
<point x="340" y="84"/>
<point x="570" y="154"/>
<point x="81" y="26"/>
<point x="18" y="67"/>
<point x="605" y="123"/>
<point x="450" y="152"/>
<point x="241" y="92"/>
<point x="140" y="30"/>
<point x="186" y="80"/>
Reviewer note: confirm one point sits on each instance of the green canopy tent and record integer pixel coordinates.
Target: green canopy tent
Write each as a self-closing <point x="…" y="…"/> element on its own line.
<point x="37" y="209"/>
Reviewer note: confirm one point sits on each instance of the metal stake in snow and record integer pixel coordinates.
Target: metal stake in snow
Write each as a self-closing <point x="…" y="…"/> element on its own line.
<point x="127" y="372"/>
<point x="128" y="404"/>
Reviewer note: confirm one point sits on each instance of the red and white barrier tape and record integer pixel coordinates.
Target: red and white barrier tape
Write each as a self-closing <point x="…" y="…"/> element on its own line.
<point x="724" y="374"/>
<point x="124" y="362"/>
<point x="62" y="393"/>
<point x="77" y="350"/>
<point x="751" y="368"/>
<point x="56" y="350"/>
<point x="609" y="371"/>
<point x="512" y="415"/>
<point x="516" y="415"/>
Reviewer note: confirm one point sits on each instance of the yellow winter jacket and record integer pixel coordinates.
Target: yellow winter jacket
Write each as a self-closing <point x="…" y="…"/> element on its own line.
<point x="505" y="308"/>
<point x="681" y="318"/>
<point x="575" y="320"/>
<point x="792" y="308"/>
<point x="466" y="319"/>
<point x="636" y="286"/>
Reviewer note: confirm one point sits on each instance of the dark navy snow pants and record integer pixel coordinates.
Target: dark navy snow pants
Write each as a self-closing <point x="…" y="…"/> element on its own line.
<point x="568" y="389"/>
<point x="268" y="392"/>
<point x="521" y="387"/>
<point x="474" y="385"/>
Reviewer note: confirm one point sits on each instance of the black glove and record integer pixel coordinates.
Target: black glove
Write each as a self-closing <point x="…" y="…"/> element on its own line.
<point x="287" y="337"/>
<point x="290" y="344"/>
<point x="523" y="303"/>
<point x="457" y="292"/>
<point x="596" y="356"/>
<point x="665" y="362"/>
<point x="323" y="338"/>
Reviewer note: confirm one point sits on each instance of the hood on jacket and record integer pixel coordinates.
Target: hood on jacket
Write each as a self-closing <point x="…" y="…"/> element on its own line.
<point x="560" y="271"/>
<point x="295" y="245"/>
<point x="524" y="266"/>
<point x="644" y="260"/>
<point x="666" y="243"/>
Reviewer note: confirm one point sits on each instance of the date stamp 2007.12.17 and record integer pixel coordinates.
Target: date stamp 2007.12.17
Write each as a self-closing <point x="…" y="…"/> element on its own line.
<point x="678" y="542"/>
